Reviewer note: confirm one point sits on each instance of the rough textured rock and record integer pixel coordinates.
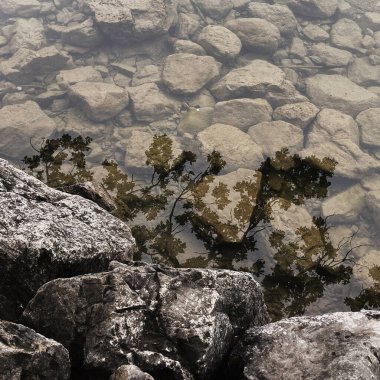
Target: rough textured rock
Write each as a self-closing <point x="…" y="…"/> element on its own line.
<point x="67" y="78"/>
<point x="186" y="74"/>
<point x="20" y="124"/>
<point x="29" y="34"/>
<point x="151" y="316"/>
<point x="217" y="9"/>
<point x="58" y="233"/>
<point x="235" y="146"/>
<point x="124" y="21"/>
<point x="347" y="34"/>
<point x="311" y="8"/>
<point x="299" y="114"/>
<point x="362" y="72"/>
<point x="24" y="354"/>
<point x="99" y="101"/>
<point x="338" y="92"/>
<point x="256" y="34"/>
<point x="368" y="121"/>
<point x="83" y="34"/>
<point x="323" y="54"/>
<point x="21" y="8"/>
<point x="242" y="113"/>
<point x="331" y="346"/>
<point x="254" y="79"/>
<point x="130" y="372"/>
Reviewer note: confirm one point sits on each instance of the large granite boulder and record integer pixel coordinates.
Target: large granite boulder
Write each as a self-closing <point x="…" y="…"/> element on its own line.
<point x="45" y="234"/>
<point x="171" y="323"/>
<point x="24" y="354"/>
<point x="330" y="346"/>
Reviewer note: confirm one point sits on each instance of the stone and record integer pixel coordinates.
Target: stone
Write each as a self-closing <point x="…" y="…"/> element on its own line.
<point x="339" y="92"/>
<point x="26" y="64"/>
<point x="128" y="21"/>
<point x="330" y="346"/>
<point x="297" y="49"/>
<point x="277" y="14"/>
<point x="21" y="125"/>
<point x="29" y="34"/>
<point x="272" y="136"/>
<point x="188" y="47"/>
<point x="187" y="74"/>
<point x="370" y="20"/>
<point x="315" y="33"/>
<point x="130" y="372"/>
<point x="326" y="55"/>
<point x="336" y="135"/>
<point x="285" y="95"/>
<point x="299" y="114"/>
<point x="20" y="8"/>
<point x="347" y="34"/>
<point x="60" y="234"/>
<point x="311" y="8"/>
<point x="145" y="314"/>
<point x="256" y="34"/>
<point x="67" y="78"/>
<point x="373" y="202"/>
<point x="147" y="74"/>
<point x="196" y="120"/>
<point x="368" y="122"/>
<point x="187" y="25"/>
<point x="149" y="103"/>
<point x="216" y="9"/>
<point x="252" y="80"/>
<point x="26" y="354"/>
<point x="99" y="101"/>
<point x="84" y="34"/>
<point x="234" y="145"/>
<point x="242" y="113"/>
<point x="362" y="72"/>
<point x="220" y="42"/>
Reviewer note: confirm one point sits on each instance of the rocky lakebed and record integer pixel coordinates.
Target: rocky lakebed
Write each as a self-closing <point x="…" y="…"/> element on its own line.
<point x="189" y="189"/>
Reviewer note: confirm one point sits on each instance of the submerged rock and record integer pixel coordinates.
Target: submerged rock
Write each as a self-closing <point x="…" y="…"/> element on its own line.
<point x="45" y="234"/>
<point x="172" y="323"/>
<point x="130" y="372"/>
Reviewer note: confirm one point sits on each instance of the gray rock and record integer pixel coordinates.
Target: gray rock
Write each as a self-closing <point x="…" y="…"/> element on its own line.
<point x="373" y="205"/>
<point x="362" y="72"/>
<point x="67" y="78"/>
<point x="299" y="114"/>
<point x="297" y="49"/>
<point x="196" y="120"/>
<point x="149" y="103"/>
<point x="315" y="33"/>
<point x="370" y="20"/>
<point x="188" y="47"/>
<point x="28" y="355"/>
<point x="29" y="34"/>
<point x="339" y="92"/>
<point x="252" y="80"/>
<point x="216" y="9"/>
<point x="330" y="346"/>
<point x="242" y="113"/>
<point x="272" y="136"/>
<point x="130" y="372"/>
<point x="151" y="316"/>
<point x="279" y="15"/>
<point x="368" y="122"/>
<point x="99" y="101"/>
<point x="235" y="146"/>
<point x="347" y="34"/>
<point x="21" y="8"/>
<point x="220" y="42"/>
<point x="146" y="74"/>
<point x="326" y="55"/>
<point x="20" y="125"/>
<point x="187" y="74"/>
<point x="58" y="233"/>
<point x="256" y="34"/>
<point x="311" y="8"/>
<point x="84" y="34"/>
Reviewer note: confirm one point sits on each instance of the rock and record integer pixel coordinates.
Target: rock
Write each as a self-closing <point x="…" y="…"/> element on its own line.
<point x="83" y="34"/>
<point x="311" y="8"/>
<point x="220" y="42"/>
<point x="279" y="15"/>
<point x="149" y="103"/>
<point x="21" y="8"/>
<point x="299" y="114"/>
<point x="272" y="136"/>
<point x="20" y="125"/>
<point x="330" y="346"/>
<point x="152" y="316"/>
<point x="188" y="47"/>
<point x="315" y="33"/>
<point x="99" y="101"/>
<point x="339" y="92"/>
<point x="188" y="25"/>
<point x="362" y="72"/>
<point x="60" y="234"/>
<point x="130" y="372"/>
<point x="67" y="78"/>
<point x="28" y="355"/>
<point x="235" y="146"/>
<point x="25" y="64"/>
<point x="287" y="94"/>
<point x="216" y="9"/>
<point x="196" y="120"/>
<point x="29" y="34"/>
<point x="326" y="55"/>
<point x="336" y="135"/>
<point x="256" y="34"/>
<point x="147" y="74"/>
<point x="242" y="113"/>
<point x="252" y="80"/>
<point x="225" y="203"/>
<point x="373" y="202"/>
<point x="297" y="48"/>
<point x="370" y="20"/>
<point x="369" y="127"/>
<point x="347" y="34"/>
<point x="187" y="74"/>
<point x="131" y="21"/>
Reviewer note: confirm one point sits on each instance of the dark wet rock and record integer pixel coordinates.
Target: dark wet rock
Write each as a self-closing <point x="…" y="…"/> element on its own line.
<point x="24" y="354"/>
<point x="331" y="346"/>
<point x="45" y="234"/>
<point x="130" y="372"/>
<point x="172" y="323"/>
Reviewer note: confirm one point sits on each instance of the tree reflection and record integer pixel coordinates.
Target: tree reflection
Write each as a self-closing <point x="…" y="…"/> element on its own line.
<point x="225" y="212"/>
